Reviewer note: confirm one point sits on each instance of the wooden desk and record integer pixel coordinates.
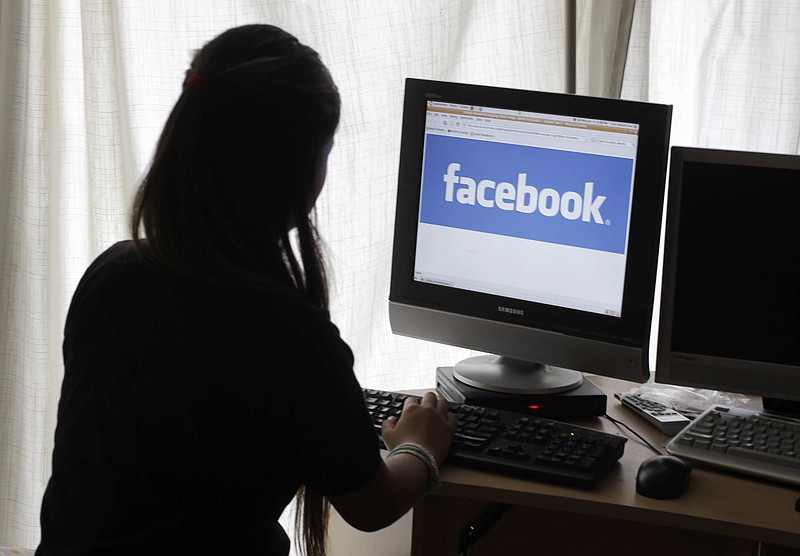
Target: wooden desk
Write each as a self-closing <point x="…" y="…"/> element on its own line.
<point x="718" y="513"/>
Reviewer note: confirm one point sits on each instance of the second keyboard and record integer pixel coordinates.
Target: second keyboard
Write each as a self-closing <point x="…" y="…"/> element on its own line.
<point x="517" y="444"/>
<point x="742" y="441"/>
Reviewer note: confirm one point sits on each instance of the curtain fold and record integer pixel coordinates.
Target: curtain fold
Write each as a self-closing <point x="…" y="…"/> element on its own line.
<point x="607" y="44"/>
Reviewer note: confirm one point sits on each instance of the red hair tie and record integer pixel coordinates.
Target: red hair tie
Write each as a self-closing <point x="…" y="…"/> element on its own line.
<point x="196" y="80"/>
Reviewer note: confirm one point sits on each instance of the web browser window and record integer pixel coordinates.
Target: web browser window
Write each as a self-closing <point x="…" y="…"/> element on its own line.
<point x="526" y="205"/>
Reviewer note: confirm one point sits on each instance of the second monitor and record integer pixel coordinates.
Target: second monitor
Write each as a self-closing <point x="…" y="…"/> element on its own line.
<point x="527" y="227"/>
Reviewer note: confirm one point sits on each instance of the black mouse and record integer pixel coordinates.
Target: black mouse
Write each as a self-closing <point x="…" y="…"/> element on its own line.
<point x="663" y="477"/>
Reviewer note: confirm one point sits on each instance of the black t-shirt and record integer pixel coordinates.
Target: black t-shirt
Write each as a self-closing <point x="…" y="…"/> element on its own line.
<point x="190" y="413"/>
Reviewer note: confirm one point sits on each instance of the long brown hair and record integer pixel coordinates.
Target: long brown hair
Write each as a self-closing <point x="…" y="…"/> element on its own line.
<point x="235" y="170"/>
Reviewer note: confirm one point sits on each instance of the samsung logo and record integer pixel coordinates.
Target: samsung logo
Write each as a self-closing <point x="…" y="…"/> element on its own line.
<point x="511" y="310"/>
<point x="683" y="357"/>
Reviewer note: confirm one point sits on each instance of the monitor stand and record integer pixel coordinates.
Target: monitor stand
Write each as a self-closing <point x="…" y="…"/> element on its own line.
<point x="513" y="376"/>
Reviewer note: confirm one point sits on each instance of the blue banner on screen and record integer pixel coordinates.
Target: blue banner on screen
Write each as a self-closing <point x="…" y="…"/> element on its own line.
<point x="562" y="197"/>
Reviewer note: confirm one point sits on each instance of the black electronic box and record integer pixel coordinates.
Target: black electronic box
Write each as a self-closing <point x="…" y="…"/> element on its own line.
<point x="587" y="400"/>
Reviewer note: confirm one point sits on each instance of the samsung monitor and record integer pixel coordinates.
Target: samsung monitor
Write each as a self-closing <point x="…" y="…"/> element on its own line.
<point x="527" y="228"/>
<point x="730" y="313"/>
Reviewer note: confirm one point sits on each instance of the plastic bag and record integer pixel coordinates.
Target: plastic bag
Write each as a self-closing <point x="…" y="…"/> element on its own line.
<point x="688" y="401"/>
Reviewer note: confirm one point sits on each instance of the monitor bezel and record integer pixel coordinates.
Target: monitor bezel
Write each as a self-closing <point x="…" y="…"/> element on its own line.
<point x="632" y="328"/>
<point x="759" y="378"/>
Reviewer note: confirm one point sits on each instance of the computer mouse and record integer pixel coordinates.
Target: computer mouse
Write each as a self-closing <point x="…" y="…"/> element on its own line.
<point x="663" y="477"/>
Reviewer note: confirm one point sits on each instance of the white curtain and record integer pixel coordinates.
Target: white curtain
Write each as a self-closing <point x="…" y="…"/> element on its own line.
<point x="85" y="86"/>
<point x="731" y="68"/>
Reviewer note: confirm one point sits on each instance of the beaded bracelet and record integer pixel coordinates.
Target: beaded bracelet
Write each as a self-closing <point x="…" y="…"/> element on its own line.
<point x="424" y="455"/>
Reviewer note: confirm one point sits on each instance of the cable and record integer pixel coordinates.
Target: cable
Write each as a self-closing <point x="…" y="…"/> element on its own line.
<point x="636" y="434"/>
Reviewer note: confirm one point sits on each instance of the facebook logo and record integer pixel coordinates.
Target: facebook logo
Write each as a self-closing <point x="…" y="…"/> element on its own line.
<point x="524" y="197"/>
<point x="561" y="197"/>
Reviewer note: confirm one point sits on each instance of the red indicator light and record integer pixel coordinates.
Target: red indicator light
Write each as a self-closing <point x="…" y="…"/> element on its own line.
<point x="533" y="407"/>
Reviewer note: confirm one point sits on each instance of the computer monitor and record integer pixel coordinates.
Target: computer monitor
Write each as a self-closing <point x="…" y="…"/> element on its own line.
<point x="730" y="311"/>
<point x="527" y="227"/>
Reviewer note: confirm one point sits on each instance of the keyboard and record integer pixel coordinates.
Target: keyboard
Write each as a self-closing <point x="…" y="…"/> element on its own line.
<point x="742" y="441"/>
<point x="514" y="443"/>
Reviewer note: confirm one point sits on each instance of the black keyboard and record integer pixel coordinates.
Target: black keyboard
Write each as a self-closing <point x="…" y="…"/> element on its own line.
<point x="513" y="443"/>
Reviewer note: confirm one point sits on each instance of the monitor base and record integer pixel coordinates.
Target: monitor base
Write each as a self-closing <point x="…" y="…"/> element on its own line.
<point x="587" y="400"/>
<point x="513" y="376"/>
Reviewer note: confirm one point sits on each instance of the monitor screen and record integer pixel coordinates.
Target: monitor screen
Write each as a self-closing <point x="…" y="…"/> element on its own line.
<point x="730" y="317"/>
<point x="527" y="227"/>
